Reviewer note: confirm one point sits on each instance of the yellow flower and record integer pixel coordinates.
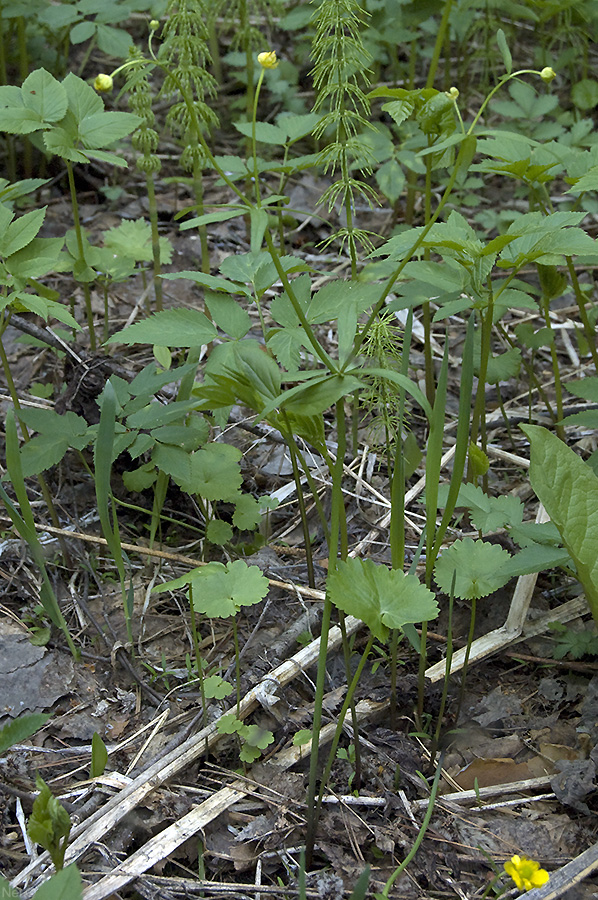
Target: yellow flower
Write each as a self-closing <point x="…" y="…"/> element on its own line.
<point x="103" y="83"/>
<point x="268" y="59"/>
<point x="547" y="74"/>
<point x="526" y="873"/>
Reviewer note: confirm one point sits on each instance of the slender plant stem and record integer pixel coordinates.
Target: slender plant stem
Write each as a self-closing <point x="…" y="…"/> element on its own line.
<point x="337" y="513"/>
<point x="421" y="833"/>
<point x="153" y="216"/>
<point x="589" y="332"/>
<point x="440" y="40"/>
<point x="82" y="262"/>
<point x="341" y="718"/>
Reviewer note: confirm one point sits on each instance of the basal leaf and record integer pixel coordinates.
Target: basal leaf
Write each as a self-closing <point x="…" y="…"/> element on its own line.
<point x="382" y="598"/>
<point x="169" y="328"/>
<point x="62" y="884"/>
<point x="475" y="566"/>
<point x="568" y="489"/>
<point x="221" y="591"/>
<point x="20" y="729"/>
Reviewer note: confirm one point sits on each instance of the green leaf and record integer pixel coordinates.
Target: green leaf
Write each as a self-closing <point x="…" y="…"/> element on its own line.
<point x="475" y="566"/>
<point x="99" y="756"/>
<point x="133" y="239"/>
<point x="63" y="885"/>
<point x="248" y="512"/>
<point x="44" y="95"/>
<point x="382" y="598"/>
<point x="264" y="132"/>
<point x="21" y="231"/>
<point x="209" y="218"/>
<point x="56" y="433"/>
<point x="83" y="100"/>
<point x="258" y="737"/>
<point x="216" y="688"/>
<point x="20" y="729"/>
<point x="19" y="120"/>
<point x="49" y="824"/>
<point x="504" y="51"/>
<point x="213" y="472"/>
<point x="568" y="489"/>
<point x="221" y="591"/>
<point x="228" y="315"/>
<point x="585" y="93"/>
<point x="169" y="328"/>
<point x="229" y="724"/>
<point x="210" y="281"/>
<point x="101" y="130"/>
<point x="504" y="366"/>
<point x="490" y="513"/>
<point x="219" y="532"/>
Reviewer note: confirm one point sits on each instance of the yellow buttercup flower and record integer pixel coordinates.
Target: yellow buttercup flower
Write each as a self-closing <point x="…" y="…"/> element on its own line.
<point x="267" y="59"/>
<point x="103" y="83"/>
<point x="547" y="74"/>
<point x="526" y="873"/>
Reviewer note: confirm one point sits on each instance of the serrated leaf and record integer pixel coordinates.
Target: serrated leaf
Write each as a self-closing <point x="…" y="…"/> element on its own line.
<point x="475" y="566"/>
<point x="504" y="366"/>
<point x="102" y="129"/>
<point x="568" y="489"/>
<point x="382" y="598"/>
<point x="83" y="100"/>
<point x="213" y="471"/>
<point x="22" y="231"/>
<point x="490" y="513"/>
<point x="221" y="591"/>
<point x="43" y="94"/>
<point x="169" y="328"/>
<point x="247" y="513"/>
<point x="219" y="532"/>
<point x="228" y="315"/>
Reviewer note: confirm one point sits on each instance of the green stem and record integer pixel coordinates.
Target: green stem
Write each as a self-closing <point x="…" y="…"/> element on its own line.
<point x="81" y="260"/>
<point x="421" y="833"/>
<point x="440" y="39"/>
<point x="337" y="512"/>
<point x="153" y="216"/>
<point x="341" y="718"/>
<point x="589" y="332"/>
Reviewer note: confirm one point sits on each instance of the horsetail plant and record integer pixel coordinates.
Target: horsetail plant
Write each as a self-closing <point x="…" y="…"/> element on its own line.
<point x="340" y="73"/>
<point x="145" y="141"/>
<point x="184" y="56"/>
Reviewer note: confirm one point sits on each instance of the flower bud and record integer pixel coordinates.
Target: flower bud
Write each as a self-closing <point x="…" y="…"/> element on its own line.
<point x="103" y="83"/>
<point x="154" y="24"/>
<point x="453" y="93"/>
<point x="547" y="74"/>
<point x="268" y="59"/>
